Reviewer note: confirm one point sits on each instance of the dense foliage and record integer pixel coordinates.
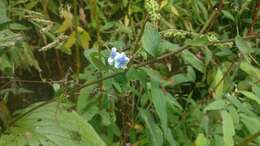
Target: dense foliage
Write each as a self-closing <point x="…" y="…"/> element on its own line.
<point x="129" y="72"/>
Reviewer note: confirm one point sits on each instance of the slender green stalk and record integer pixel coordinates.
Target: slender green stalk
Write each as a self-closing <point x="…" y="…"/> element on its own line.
<point x="78" y="61"/>
<point x="185" y="47"/>
<point x="249" y="139"/>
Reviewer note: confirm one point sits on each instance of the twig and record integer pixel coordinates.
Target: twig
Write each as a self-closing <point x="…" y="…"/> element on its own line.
<point x="33" y="81"/>
<point x="212" y="17"/>
<point x="77" y="54"/>
<point x="249" y="139"/>
<point x="139" y="36"/>
<point x="135" y="66"/>
<point x="160" y="58"/>
<point x="255" y="13"/>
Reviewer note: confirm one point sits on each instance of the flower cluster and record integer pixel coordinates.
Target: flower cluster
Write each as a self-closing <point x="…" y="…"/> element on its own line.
<point x="119" y="60"/>
<point x="153" y="8"/>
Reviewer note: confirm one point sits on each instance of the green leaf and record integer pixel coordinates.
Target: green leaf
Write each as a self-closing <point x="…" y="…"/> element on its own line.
<point x="31" y="4"/>
<point x="151" y="39"/>
<point x="50" y="125"/>
<point x="69" y="43"/>
<point x="228" y="15"/>
<point x="250" y="69"/>
<point x="167" y="46"/>
<point x="95" y="58"/>
<point x="3" y="12"/>
<point x="228" y="128"/>
<point x="9" y="38"/>
<point x="201" y="140"/>
<point x="197" y="42"/>
<point x="5" y="63"/>
<point x="215" y="105"/>
<point x="17" y="26"/>
<point x="83" y="99"/>
<point x="159" y="100"/>
<point x="218" y="84"/>
<point x="177" y="79"/>
<point x="67" y="23"/>
<point x="190" y="58"/>
<point x="251" y="96"/>
<point x="252" y="124"/>
<point x="84" y="39"/>
<point x="155" y="133"/>
<point x="242" y="45"/>
<point x="153" y="74"/>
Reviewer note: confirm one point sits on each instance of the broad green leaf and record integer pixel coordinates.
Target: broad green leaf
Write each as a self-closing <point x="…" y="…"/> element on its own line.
<point x="228" y="15"/>
<point x="155" y="134"/>
<point x="151" y="39"/>
<point x="203" y="9"/>
<point x="193" y="60"/>
<point x="200" y="41"/>
<point x="3" y="12"/>
<point x="228" y="128"/>
<point x="95" y="58"/>
<point x="153" y="74"/>
<point x="84" y="100"/>
<point x="167" y="46"/>
<point x="242" y="45"/>
<point x="239" y="105"/>
<point x="252" y="124"/>
<point x="218" y="84"/>
<point x="31" y="4"/>
<point x="177" y="79"/>
<point x="215" y="105"/>
<point x="5" y="63"/>
<point x="251" y="96"/>
<point x="172" y="102"/>
<point x="159" y="100"/>
<point x="201" y="140"/>
<point x="250" y="69"/>
<point x="256" y="89"/>
<point x="50" y="125"/>
<point x="17" y="26"/>
<point x="137" y="74"/>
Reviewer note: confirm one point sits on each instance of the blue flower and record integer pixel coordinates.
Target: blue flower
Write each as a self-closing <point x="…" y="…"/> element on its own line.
<point x="119" y="60"/>
<point x="112" y="56"/>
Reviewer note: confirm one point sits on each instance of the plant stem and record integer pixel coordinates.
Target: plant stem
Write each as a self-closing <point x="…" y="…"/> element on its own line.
<point x="135" y="66"/>
<point x="214" y="15"/>
<point x="78" y="61"/>
<point x="249" y="139"/>
<point x="160" y="58"/>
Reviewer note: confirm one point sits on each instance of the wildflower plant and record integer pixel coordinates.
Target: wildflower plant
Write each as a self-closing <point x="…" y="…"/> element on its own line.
<point x="194" y="76"/>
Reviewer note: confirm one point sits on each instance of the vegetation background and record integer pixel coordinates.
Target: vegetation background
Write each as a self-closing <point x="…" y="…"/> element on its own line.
<point x="193" y="78"/>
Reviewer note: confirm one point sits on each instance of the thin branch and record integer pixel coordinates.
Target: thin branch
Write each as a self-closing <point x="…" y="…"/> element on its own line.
<point x="135" y="66"/>
<point x="255" y="16"/>
<point x="160" y="58"/>
<point x="34" y="81"/>
<point x="214" y="15"/>
<point x="249" y="139"/>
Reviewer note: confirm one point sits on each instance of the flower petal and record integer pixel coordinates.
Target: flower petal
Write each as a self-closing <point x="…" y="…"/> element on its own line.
<point x="110" y="61"/>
